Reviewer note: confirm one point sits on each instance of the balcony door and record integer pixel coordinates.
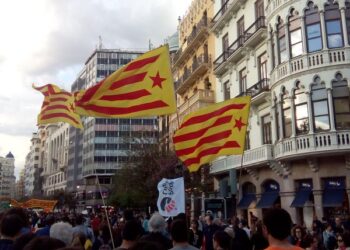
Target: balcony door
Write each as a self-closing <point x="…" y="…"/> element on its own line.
<point x="243" y="81"/>
<point x="259" y="12"/>
<point x="240" y="31"/>
<point x="225" y="46"/>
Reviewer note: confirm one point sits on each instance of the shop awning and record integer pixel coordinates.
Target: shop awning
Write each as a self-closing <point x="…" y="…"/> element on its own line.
<point x="333" y="197"/>
<point x="267" y="200"/>
<point x="246" y="200"/>
<point x="300" y="198"/>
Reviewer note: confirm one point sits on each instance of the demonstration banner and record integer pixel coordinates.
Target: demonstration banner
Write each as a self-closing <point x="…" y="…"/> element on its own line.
<point x="171" y="200"/>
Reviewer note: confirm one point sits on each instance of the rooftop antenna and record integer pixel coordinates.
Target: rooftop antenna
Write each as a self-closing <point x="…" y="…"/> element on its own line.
<point x="100" y="42"/>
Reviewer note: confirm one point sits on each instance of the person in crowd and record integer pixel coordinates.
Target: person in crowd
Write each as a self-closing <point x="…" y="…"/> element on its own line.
<point x="22" y="241"/>
<point x="299" y="237"/>
<point x="240" y="239"/>
<point x="195" y="237"/>
<point x="10" y="228"/>
<point x="22" y="214"/>
<point x="346" y="223"/>
<point x="146" y="245"/>
<point x="259" y="242"/>
<point x="338" y="226"/>
<point x="82" y="228"/>
<point x="45" y="231"/>
<point x="208" y="232"/>
<point x="314" y="243"/>
<point x="329" y="240"/>
<point x="253" y="219"/>
<point x="103" y="241"/>
<point x="244" y="226"/>
<point x="131" y="233"/>
<point x="179" y="236"/>
<point x="78" y="241"/>
<point x="44" y="243"/>
<point x="145" y="222"/>
<point x="343" y="241"/>
<point x="221" y="240"/>
<point x="95" y="224"/>
<point x="157" y="227"/>
<point x="62" y="231"/>
<point x="277" y="225"/>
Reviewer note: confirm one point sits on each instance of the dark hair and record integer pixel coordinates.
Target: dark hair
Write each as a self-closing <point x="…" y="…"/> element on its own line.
<point x="146" y="245"/>
<point x="179" y="231"/>
<point x="11" y="225"/>
<point x="44" y="243"/>
<point x="128" y="215"/>
<point x="79" y="220"/>
<point x="132" y="230"/>
<point x="278" y="223"/>
<point x="223" y="239"/>
<point x="21" y="213"/>
<point x="22" y="241"/>
<point x="346" y="238"/>
<point x="210" y="217"/>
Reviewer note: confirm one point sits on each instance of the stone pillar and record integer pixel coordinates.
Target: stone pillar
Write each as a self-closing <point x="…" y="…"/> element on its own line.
<point x="287" y="41"/>
<point x="303" y="36"/>
<point x="343" y="21"/>
<point x="273" y="124"/>
<point x="292" y="112"/>
<point x="323" y="30"/>
<point x="331" y="110"/>
<point x="309" y="109"/>
<point x="286" y="200"/>
<point x="318" y="203"/>
<point x="280" y="120"/>
<point x="276" y="47"/>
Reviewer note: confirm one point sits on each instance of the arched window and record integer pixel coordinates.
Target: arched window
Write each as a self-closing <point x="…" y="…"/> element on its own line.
<point x="301" y="111"/>
<point x="282" y="49"/>
<point x="296" y="42"/>
<point x="287" y="115"/>
<point x="347" y="16"/>
<point x="272" y="49"/>
<point x="313" y="28"/>
<point x="277" y="119"/>
<point x="333" y="25"/>
<point x="320" y="106"/>
<point x="341" y="102"/>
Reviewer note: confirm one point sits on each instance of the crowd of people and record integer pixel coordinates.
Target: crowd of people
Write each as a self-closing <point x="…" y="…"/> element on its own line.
<point x="21" y="229"/>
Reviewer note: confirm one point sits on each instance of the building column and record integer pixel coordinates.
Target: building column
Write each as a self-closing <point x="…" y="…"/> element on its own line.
<point x="280" y="120"/>
<point x="287" y="41"/>
<point x="318" y="203"/>
<point x="292" y="109"/>
<point x="343" y="21"/>
<point x="331" y="110"/>
<point x="303" y="36"/>
<point x="286" y="200"/>
<point x="323" y="30"/>
<point x="309" y="109"/>
<point x="276" y="47"/>
<point x="273" y="124"/>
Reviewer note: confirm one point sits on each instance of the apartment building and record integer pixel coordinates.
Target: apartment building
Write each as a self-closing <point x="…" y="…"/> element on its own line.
<point x="7" y="177"/>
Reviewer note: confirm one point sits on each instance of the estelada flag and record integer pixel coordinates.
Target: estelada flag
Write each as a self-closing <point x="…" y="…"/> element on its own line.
<point x="213" y="131"/>
<point x="143" y="87"/>
<point x="58" y="106"/>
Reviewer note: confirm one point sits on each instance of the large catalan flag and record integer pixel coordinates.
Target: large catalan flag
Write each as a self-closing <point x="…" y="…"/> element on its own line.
<point x="58" y="106"/>
<point x="144" y="87"/>
<point x="213" y="131"/>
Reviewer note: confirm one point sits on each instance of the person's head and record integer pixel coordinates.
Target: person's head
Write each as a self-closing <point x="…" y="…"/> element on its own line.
<point x="79" y="220"/>
<point x="179" y="231"/>
<point x="11" y="226"/>
<point x="132" y="230"/>
<point x="44" y="243"/>
<point x="343" y="240"/>
<point x="244" y="223"/>
<point x="209" y="219"/>
<point x="298" y="232"/>
<point x="128" y="215"/>
<point x="277" y="224"/>
<point x="156" y="223"/>
<point x="329" y="227"/>
<point x="62" y="231"/>
<point x="337" y="221"/>
<point x="221" y="240"/>
<point x="22" y="241"/>
<point x="78" y="240"/>
<point x="194" y="224"/>
<point x="146" y="245"/>
<point x="21" y="213"/>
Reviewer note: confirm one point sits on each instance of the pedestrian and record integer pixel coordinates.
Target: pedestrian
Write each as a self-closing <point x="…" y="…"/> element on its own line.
<point x="329" y="240"/>
<point x="298" y="237"/>
<point x="259" y="242"/>
<point x="343" y="241"/>
<point x="195" y="235"/>
<point x="45" y="231"/>
<point x="221" y="240"/>
<point x="131" y="233"/>
<point x="10" y="229"/>
<point x="179" y="235"/>
<point x="208" y="232"/>
<point x="44" y="243"/>
<point x="62" y="231"/>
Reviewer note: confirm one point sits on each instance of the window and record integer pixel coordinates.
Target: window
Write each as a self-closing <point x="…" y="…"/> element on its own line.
<point x="282" y="49"/>
<point x="273" y="49"/>
<point x="227" y="94"/>
<point x="313" y="28"/>
<point x="243" y="81"/>
<point x="287" y="115"/>
<point x="347" y="17"/>
<point x="266" y="129"/>
<point x="333" y="25"/>
<point x="341" y="103"/>
<point x="225" y="46"/>
<point x="296" y="43"/>
<point x="240" y="31"/>
<point x="259" y="8"/>
<point x="262" y="60"/>
<point x="320" y="106"/>
<point x="301" y="111"/>
<point x="247" y="141"/>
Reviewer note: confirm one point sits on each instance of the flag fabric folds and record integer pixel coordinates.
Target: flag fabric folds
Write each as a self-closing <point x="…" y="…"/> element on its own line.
<point x="171" y="199"/>
<point x="212" y="131"/>
<point x="58" y="106"/>
<point x="144" y="87"/>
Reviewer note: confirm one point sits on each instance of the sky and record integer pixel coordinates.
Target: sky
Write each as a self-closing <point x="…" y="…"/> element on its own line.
<point x="48" y="41"/>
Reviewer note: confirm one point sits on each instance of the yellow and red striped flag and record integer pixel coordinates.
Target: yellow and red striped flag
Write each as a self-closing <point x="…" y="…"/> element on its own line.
<point x="144" y="87"/>
<point x="212" y="131"/>
<point x="58" y="106"/>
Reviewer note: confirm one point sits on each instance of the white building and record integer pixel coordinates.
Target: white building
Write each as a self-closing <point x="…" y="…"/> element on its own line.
<point x="293" y="58"/>
<point x="31" y="166"/>
<point x="7" y="177"/>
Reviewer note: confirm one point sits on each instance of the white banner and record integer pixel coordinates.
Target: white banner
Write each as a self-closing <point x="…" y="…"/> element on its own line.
<point x="171" y="200"/>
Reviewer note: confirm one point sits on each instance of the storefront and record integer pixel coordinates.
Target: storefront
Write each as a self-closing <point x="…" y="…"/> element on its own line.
<point x="304" y="201"/>
<point x="270" y="196"/>
<point x="248" y="200"/>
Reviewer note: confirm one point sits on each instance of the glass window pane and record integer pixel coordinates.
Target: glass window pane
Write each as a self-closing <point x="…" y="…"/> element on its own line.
<point x="335" y="41"/>
<point x="301" y="111"/>
<point x="333" y="27"/>
<point x="319" y="94"/>
<point x="320" y="108"/>
<point x="342" y="121"/>
<point x="295" y="36"/>
<point x="300" y="98"/>
<point x="340" y="91"/>
<point x="302" y="125"/>
<point x="313" y="30"/>
<point x="321" y="123"/>
<point x="282" y="43"/>
<point x="297" y="49"/>
<point x="284" y="56"/>
<point x="314" y="44"/>
<point x="341" y="105"/>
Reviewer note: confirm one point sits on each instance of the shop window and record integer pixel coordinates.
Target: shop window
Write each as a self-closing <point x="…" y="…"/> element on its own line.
<point x="320" y="106"/>
<point x="341" y="102"/>
<point x="333" y="25"/>
<point x="313" y="28"/>
<point x="295" y="35"/>
<point x="301" y="110"/>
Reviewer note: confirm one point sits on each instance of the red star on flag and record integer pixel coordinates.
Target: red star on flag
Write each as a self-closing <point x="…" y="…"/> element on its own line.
<point x="239" y="124"/>
<point x="157" y="80"/>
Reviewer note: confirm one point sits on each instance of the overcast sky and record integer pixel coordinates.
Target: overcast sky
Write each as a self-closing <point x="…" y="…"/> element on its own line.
<point x="48" y="41"/>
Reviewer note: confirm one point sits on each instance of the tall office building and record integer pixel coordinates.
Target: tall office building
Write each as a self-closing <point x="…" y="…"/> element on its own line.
<point x="7" y="177"/>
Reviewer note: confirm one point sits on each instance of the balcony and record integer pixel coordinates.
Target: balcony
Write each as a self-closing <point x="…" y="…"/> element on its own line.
<point x="253" y="157"/>
<point x="224" y="15"/>
<point x="194" y="40"/>
<point x="198" y="68"/>
<point x="249" y="39"/>
<point x="313" y="144"/>
<point x="259" y="91"/>
<point x="316" y="60"/>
